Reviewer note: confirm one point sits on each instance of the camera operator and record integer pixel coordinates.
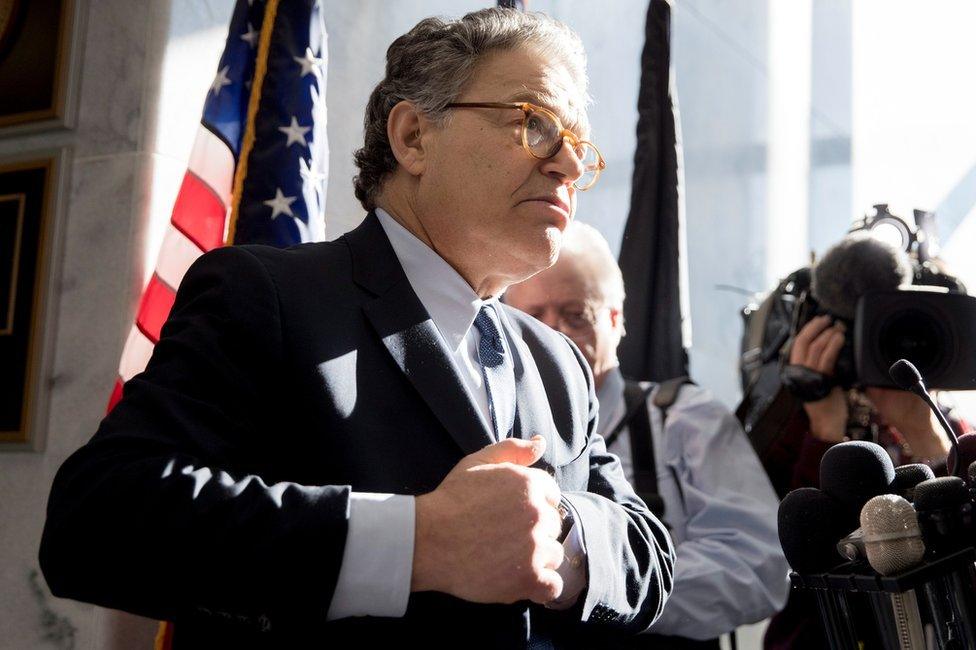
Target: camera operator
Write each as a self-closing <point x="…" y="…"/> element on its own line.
<point x="896" y="419"/>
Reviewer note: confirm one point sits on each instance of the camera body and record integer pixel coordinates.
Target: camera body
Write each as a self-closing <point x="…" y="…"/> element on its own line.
<point x="930" y="326"/>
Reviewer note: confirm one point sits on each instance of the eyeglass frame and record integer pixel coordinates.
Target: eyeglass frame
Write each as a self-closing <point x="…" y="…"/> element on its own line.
<point x="564" y="133"/>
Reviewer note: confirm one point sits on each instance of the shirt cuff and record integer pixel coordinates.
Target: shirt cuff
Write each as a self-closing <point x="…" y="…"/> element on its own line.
<point x="377" y="562"/>
<point x="573" y="568"/>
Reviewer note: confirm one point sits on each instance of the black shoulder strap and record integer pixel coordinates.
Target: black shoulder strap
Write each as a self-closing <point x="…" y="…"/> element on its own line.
<point x="667" y="395"/>
<point x="642" y="448"/>
<point x="642" y="445"/>
<point x="634" y="397"/>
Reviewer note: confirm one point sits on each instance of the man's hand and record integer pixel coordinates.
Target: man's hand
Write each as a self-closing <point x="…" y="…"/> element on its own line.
<point x="817" y="346"/>
<point x="914" y="420"/>
<point x="488" y="533"/>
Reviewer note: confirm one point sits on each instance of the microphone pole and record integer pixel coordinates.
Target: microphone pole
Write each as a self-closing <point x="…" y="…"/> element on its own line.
<point x="906" y="375"/>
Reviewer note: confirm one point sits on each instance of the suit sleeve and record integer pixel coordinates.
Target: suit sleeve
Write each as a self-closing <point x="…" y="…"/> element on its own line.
<point x="161" y="513"/>
<point x="629" y="554"/>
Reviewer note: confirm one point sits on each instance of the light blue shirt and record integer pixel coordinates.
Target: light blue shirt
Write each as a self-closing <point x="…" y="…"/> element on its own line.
<point x="377" y="562"/>
<point x="719" y="506"/>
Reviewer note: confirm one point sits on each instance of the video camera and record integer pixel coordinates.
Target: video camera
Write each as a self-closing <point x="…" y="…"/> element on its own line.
<point x="896" y="302"/>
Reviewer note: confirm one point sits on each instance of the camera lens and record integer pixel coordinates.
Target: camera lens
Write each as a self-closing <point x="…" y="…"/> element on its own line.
<point x="915" y="335"/>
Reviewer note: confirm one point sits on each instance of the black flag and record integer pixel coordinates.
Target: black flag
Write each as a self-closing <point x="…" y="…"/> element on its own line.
<point x="653" y="348"/>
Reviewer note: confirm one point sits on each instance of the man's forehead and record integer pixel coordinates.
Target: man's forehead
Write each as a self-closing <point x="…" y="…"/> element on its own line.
<point x="568" y="109"/>
<point x="528" y="75"/>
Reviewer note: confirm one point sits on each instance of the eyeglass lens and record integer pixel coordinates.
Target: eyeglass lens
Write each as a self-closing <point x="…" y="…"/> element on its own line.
<point x="543" y="137"/>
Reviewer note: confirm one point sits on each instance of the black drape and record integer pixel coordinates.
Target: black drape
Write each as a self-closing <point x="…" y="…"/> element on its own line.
<point x="653" y="346"/>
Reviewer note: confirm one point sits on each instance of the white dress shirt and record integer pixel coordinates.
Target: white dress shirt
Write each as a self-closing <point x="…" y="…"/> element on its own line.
<point x="377" y="563"/>
<point x="719" y="506"/>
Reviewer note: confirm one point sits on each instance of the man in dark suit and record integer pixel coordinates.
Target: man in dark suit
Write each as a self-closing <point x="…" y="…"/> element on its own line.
<point x="355" y="440"/>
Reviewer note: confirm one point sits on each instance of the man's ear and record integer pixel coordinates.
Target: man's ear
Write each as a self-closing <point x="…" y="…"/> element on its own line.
<point x="617" y="322"/>
<point x="405" y="128"/>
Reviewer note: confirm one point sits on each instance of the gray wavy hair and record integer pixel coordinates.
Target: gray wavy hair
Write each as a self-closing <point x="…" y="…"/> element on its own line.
<point x="432" y="63"/>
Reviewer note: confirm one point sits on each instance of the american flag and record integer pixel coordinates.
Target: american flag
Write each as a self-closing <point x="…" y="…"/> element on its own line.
<point x="259" y="163"/>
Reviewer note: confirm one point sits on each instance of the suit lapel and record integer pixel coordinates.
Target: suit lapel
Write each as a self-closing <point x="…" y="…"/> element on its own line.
<point x="411" y="337"/>
<point x="534" y="413"/>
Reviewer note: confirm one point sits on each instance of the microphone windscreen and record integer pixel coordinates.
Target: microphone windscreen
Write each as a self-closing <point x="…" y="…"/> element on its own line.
<point x="892" y="538"/>
<point x="856" y="265"/>
<point x="967" y="453"/>
<point x="908" y="476"/>
<point x="904" y="373"/>
<point x="809" y="527"/>
<point x="853" y="472"/>
<point x="939" y="493"/>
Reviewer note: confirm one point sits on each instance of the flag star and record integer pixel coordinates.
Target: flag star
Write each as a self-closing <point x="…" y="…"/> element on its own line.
<point x="311" y="173"/>
<point x="295" y="132"/>
<point x="220" y="80"/>
<point x="281" y="204"/>
<point x="251" y="36"/>
<point x="308" y="62"/>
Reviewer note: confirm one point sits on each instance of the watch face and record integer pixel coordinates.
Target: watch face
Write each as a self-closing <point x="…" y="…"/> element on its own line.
<point x="8" y="16"/>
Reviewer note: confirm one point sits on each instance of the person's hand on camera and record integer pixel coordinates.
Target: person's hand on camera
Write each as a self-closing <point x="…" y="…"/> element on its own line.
<point x="817" y="346"/>
<point x="488" y="533"/>
<point x="913" y="419"/>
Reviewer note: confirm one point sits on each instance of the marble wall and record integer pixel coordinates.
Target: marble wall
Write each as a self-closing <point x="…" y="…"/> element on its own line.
<point x="108" y="168"/>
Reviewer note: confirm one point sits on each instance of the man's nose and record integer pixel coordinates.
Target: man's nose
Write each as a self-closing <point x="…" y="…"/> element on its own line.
<point x="552" y="319"/>
<point x="565" y="165"/>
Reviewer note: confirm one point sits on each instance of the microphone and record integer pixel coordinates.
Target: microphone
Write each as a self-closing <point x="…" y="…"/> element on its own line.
<point x="965" y="458"/>
<point x="810" y="522"/>
<point x="856" y="265"/>
<point x="853" y="472"/>
<point x="904" y="373"/>
<point x="945" y="518"/>
<point x="908" y="476"/>
<point x="893" y="543"/>
<point x="944" y="509"/>
<point x="892" y="537"/>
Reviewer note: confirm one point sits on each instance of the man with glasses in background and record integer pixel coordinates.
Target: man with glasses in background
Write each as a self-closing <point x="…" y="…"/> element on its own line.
<point x="684" y="452"/>
<point x="355" y="441"/>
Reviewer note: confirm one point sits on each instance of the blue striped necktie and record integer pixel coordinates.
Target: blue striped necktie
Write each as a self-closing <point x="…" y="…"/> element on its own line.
<point x="498" y="371"/>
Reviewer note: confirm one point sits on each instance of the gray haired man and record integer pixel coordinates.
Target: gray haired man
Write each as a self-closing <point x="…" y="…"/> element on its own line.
<point x="684" y="451"/>
<point x="354" y="442"/>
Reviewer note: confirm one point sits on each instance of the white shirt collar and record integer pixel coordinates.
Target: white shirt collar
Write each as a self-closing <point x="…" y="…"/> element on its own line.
<point x="449" y="300"/>
<point x="610" y="396"/>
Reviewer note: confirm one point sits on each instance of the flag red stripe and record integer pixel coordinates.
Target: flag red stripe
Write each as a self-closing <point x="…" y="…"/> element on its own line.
<point x="199" y="214"/>
<point x="154" y="310"/>
<point x="116" y="395"/>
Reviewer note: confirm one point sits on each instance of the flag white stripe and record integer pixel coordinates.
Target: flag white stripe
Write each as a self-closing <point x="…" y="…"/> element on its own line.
<point x="213" y="162"/>
<point x="175" y="256"/>
<point x="136" y="354"/>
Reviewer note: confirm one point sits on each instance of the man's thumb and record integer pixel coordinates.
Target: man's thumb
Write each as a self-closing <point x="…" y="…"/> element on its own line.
<point x="511" y="450"/>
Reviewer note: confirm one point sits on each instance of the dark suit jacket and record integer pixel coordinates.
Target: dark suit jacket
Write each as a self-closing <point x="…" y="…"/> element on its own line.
<point x="216" y="493"/>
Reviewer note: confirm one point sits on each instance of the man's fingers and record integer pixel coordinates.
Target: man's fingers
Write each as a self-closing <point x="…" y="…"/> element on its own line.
<point x="511" y="450"/>
<point x="554" y="554"/>
<point x="548" y="588"/>
<point x="806" y="335"/>
<point x="551" y="522"/>
<point x="548" y="486"/>
<point x="828" y="359"/>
